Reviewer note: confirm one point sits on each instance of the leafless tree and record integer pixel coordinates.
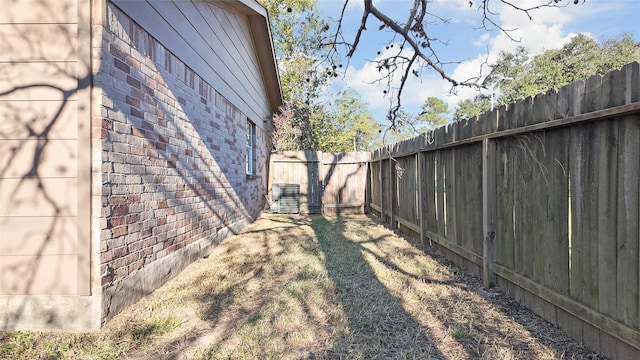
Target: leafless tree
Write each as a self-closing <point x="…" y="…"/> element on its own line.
<point x="414" y="33"/>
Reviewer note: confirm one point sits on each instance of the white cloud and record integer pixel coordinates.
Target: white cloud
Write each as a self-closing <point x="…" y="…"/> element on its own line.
<point x="545" y="31"/>
<point x="371" y="84"/>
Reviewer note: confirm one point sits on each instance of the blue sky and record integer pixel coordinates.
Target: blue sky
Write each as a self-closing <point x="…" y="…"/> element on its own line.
<point x="468" y="47"/>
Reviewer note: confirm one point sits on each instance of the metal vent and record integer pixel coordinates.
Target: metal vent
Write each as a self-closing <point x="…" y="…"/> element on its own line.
<point x="286" y="198"/>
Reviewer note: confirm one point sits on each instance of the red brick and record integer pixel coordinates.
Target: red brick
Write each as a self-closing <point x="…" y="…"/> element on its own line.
<point x="122" y="66"/>
<point x="133" y="218"/>
<point x="120" y="210"/>
<point x="137" y="112"/>
<point x="117" y="199"/>
<point x="119" y="252"/>
<point x="117" y="52"/>
<point x="106" y="256"/>
<point x="133" y="82"/>
<point x="133" y="101"/>
<point x="115" y="221"/>
<point x="119" y="231"/>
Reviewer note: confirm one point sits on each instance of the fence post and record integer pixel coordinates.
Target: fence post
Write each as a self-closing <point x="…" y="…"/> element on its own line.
<point x="488" y="211"/>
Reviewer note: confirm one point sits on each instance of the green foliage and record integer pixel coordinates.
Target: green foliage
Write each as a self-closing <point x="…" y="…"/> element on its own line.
<point x="580" y="58"/>
<point x="349" y="126"/>
<point x="432" y="114"/>
<point x="468" y="108"/>
<point x="518" y="75"/>
<point x="297" y="29"/>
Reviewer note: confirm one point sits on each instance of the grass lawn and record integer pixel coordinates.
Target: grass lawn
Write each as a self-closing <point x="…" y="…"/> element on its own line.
<point x="291" y="287"/>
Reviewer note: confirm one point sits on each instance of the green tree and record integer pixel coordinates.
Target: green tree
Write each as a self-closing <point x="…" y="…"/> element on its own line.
<point x="350" y="125"/>
<point x="297" y="29"/>
<point x="578" y="59"/>
<point x="433" y="114"/>
<point x="468" y="108"/>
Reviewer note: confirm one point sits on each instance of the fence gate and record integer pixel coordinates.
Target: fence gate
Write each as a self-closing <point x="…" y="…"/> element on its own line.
<point x="333" y="183"/>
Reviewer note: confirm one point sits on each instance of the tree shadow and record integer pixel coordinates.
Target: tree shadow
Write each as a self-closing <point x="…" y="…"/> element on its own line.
<point x="379" y="326"/>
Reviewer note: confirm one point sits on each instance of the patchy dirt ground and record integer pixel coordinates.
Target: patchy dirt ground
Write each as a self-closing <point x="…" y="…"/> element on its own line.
<point x="291" y="287"/>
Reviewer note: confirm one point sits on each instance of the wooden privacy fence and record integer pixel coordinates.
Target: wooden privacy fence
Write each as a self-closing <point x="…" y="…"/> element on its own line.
<point x="329" y="182"/>
<point x="540" y="198"/>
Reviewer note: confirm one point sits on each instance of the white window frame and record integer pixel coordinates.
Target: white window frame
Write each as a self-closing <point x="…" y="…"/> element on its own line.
<point x="250" y="148"/>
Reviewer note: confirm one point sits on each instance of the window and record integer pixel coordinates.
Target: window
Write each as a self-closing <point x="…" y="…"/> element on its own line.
<point x="250" y="153"/>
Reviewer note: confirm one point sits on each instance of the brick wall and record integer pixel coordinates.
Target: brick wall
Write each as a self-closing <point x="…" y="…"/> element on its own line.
<point x="169" y="159"/>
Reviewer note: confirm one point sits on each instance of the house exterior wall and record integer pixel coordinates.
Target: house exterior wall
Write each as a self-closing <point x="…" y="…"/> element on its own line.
<point x="169" y="148"/>
<point x="45" y="278"/>
<point x="122" y="148"/>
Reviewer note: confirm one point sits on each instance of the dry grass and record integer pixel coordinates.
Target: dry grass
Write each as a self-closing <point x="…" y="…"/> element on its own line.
<point x="313" y="288"/>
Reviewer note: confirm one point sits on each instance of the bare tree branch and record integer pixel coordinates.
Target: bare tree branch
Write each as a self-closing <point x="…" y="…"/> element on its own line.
<point x="415" y="32"/>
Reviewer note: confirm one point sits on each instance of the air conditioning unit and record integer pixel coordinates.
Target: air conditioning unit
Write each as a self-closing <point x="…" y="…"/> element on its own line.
<point x="286" y="198"/>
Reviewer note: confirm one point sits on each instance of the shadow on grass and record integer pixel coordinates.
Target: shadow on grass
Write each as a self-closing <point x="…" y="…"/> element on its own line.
<point x="456" y="318"/>
<point x="379" y="326"/>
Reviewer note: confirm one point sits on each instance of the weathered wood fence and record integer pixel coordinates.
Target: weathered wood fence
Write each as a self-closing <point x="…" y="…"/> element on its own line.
<point x="329" y="182"/>
<point x="540" y="198"/>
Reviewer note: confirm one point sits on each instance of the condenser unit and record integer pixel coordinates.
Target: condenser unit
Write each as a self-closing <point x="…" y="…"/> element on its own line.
<point x="286" y="198"/>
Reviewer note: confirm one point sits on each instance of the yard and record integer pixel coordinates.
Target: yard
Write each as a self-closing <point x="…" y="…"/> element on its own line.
<point x="314" y="288"/>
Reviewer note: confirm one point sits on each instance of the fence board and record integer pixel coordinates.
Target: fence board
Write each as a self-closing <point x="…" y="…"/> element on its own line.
<point x="607" y="217"/>
<point x="450" y="195"/>
<point x="583" y="220"/>
<point x="407" y="189"/>
<point x="504" y="211"/>
<point x="440" y="175"/>
<point x="556" y="252"/>
<point x="429" y="191"/>
<point x="628" y="234"/>
<point x="375" y="179"/>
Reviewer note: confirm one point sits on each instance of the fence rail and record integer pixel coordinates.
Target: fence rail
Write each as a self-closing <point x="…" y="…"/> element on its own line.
<point x="540" y="198"/>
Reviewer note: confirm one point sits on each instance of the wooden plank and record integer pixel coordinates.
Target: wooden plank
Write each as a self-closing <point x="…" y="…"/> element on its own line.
<point x="441" y="196"/>
<point x="632" y="82"/>
<point x="628" y="213"/>
<point x="581" y="159"/>
<point x="528" y="217"/>
<point x="621" y="331"/>
<point x="505" y="228"/>
<point x="516" y="159"/>
<point x="591" y="205"/>
<point x="383" y="216"/>
<point x="408" y="224"/>
<point x="450" y="195"/>
<point x="455" y="248"/>
<point x="607" y="216"/>
<point x="430" y="193"/>
<point x="476" y="189"/>
<point x="488" y="211"/>
<point x="556" y="258"/>
<point x="420" y="183"/>
<point x="537" y="234"/>
<point x="393" y="193"/>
